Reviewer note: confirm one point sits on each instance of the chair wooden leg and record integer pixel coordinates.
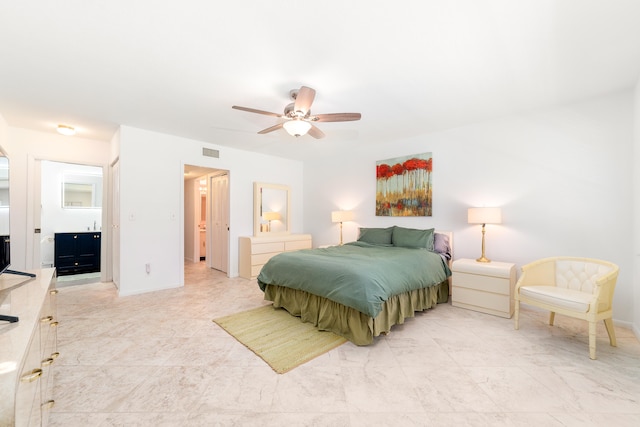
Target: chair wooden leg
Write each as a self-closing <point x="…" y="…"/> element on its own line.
<point x="608" y="323"/>
<point x="552" y="317"/>
<point x="516" y="315"/>
<point x="592" y="340"/>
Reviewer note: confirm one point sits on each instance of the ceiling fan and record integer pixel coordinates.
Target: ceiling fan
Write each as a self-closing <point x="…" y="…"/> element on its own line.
<point x="297" y="115"/>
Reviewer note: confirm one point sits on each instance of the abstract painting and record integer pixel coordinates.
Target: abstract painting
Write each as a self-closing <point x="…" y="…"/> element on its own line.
<point x="403" y="186"/>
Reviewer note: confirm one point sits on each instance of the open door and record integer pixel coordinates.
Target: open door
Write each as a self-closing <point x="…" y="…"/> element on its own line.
<point x="218" y="222"/>
<point x="115" y="224"/>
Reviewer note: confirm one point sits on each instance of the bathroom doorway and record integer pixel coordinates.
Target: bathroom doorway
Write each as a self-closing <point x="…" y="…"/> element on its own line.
<point x="206" y="219"/>
<point x="70" y="202"/>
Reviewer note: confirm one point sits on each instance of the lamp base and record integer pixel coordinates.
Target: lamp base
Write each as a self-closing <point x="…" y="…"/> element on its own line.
<point x="483" y="259"/>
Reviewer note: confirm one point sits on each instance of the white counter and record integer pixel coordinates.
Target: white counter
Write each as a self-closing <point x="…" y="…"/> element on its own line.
<point x="24" y="344"/>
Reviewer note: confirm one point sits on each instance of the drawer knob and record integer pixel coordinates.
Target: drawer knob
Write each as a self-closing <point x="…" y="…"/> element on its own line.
<point x="54" y="292"/>
<point x="48" y="404"/>
<point x="48" y="361"/>
<point x="31" y="376"/>
<point x="46" y="319"/>
<point x="55" y="355"/>
<point x="54" y="324"/>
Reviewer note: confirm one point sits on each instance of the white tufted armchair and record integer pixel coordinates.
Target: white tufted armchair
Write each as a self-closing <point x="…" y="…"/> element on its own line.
<point x="576" y="287"/>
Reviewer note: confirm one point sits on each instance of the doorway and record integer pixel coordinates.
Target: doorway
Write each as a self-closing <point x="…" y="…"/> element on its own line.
<point x="68" y="200"/>
<point x="206" y="218"/>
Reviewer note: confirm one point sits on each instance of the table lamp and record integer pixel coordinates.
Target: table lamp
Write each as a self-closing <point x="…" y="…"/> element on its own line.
<point x="484" y="216"/>
<point x="341" y="216"/>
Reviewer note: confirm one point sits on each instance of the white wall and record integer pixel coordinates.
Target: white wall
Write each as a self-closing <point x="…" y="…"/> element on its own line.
<point x="562" y="177"/>
<point x="636" y="210"/>
<point x="23" y="147"/>
<point x="152" y="202"/>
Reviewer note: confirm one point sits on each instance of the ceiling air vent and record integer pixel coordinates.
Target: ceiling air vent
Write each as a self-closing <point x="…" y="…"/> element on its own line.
<point x="210" y="152"/>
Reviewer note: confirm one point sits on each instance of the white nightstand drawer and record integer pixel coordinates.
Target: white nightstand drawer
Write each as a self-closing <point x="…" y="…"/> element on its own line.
<point x="481" y="301"/>
<point x="482" y="283"/>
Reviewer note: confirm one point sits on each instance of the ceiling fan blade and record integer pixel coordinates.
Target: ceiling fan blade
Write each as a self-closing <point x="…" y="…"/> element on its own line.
<point x="253" y="110"/>
<point x="271" y="129"/>
<point x="336" y="117"/>
<point x="304" y="99"/>
<point x="315" y="132"/>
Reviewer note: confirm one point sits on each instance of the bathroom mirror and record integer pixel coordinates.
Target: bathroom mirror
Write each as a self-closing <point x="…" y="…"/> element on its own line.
<point x="4" y="180"/>
<point x="81" y="191"/>
<point x="4" y="195"/>
<point x="271" y="209"/>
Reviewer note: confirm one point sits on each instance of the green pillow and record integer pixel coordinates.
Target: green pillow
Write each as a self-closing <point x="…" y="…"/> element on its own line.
<point x="412" y="238"/>
<point x="376" y="236"/>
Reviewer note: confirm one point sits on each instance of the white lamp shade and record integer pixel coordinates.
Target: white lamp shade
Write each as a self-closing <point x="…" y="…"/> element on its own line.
<point x="341" y="216"/>
<point x="271" y="216"/>
<point x="297" y="127"/>
<point x="484" y="216"/>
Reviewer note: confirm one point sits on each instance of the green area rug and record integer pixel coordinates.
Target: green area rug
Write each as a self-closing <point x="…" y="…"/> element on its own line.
<point x="280" y="339"/>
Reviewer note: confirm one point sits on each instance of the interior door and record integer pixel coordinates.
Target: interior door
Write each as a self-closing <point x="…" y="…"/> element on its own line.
<point x="218" y="245"/>
<point x="115" y="224"/>
<point x="36" y="257"/>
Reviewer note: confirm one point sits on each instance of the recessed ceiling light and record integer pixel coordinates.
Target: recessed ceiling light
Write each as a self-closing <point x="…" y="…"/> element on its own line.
<point x="66" y="130"/>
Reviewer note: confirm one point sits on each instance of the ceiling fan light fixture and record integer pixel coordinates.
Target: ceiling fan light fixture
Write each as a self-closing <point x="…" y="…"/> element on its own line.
<point x="297" y="127"/>
<point x="66" y="130"/>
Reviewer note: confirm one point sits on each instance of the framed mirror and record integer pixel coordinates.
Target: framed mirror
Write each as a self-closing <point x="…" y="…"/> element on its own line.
<point x="271" y="209"/>
<point x="4" y="194"/>
<point x="81" y="191"/>
<point x="5" y="240"/>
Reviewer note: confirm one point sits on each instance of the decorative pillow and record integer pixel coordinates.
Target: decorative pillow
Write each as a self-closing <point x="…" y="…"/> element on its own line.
<point x="412" y="238"/>
<point x="376" y="236"/>
<point x="441" y="245"/>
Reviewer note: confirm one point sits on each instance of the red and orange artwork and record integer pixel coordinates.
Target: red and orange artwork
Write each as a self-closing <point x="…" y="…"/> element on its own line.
<point x="403" y="186"/>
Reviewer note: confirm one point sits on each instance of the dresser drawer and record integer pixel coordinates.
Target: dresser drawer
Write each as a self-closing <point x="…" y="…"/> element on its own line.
<point x="297" y="244"/>
<point x="261" y="259"/>
<point x="254" y="251"/>
<point x="482" y="283"/>
<point x="255" y="270"/>
<point x="263" y="248"/>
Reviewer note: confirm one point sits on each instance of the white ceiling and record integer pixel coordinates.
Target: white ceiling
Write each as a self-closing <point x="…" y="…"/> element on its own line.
<point x="410" y="67"/>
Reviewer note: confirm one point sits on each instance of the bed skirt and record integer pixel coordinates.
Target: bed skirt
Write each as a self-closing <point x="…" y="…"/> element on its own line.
<point x="348" y="322"/>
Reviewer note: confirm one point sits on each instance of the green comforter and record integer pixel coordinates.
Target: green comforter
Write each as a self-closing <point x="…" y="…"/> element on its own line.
<point x="357" y="274"/>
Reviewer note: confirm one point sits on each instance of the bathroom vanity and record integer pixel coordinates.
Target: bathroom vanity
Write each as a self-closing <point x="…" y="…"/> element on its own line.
<point x="77" y="253"/>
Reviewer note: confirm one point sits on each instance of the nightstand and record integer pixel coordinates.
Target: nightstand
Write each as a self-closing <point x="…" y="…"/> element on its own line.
<point x="485" y="287"/>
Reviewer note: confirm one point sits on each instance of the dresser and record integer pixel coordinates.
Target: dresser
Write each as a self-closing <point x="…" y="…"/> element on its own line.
<point x="28" y="348"/>
<point x="483" y="286"/>
<point x="254" y="252"/>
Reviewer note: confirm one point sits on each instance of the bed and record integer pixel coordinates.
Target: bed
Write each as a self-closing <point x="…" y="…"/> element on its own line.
<point x="361" y="289"/>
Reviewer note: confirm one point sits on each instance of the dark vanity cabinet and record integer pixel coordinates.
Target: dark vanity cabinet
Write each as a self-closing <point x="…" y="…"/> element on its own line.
<point x="77" y="253"/>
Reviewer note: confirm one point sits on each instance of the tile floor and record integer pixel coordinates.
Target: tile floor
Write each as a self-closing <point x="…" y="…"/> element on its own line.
<point x="158" y="360"/>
